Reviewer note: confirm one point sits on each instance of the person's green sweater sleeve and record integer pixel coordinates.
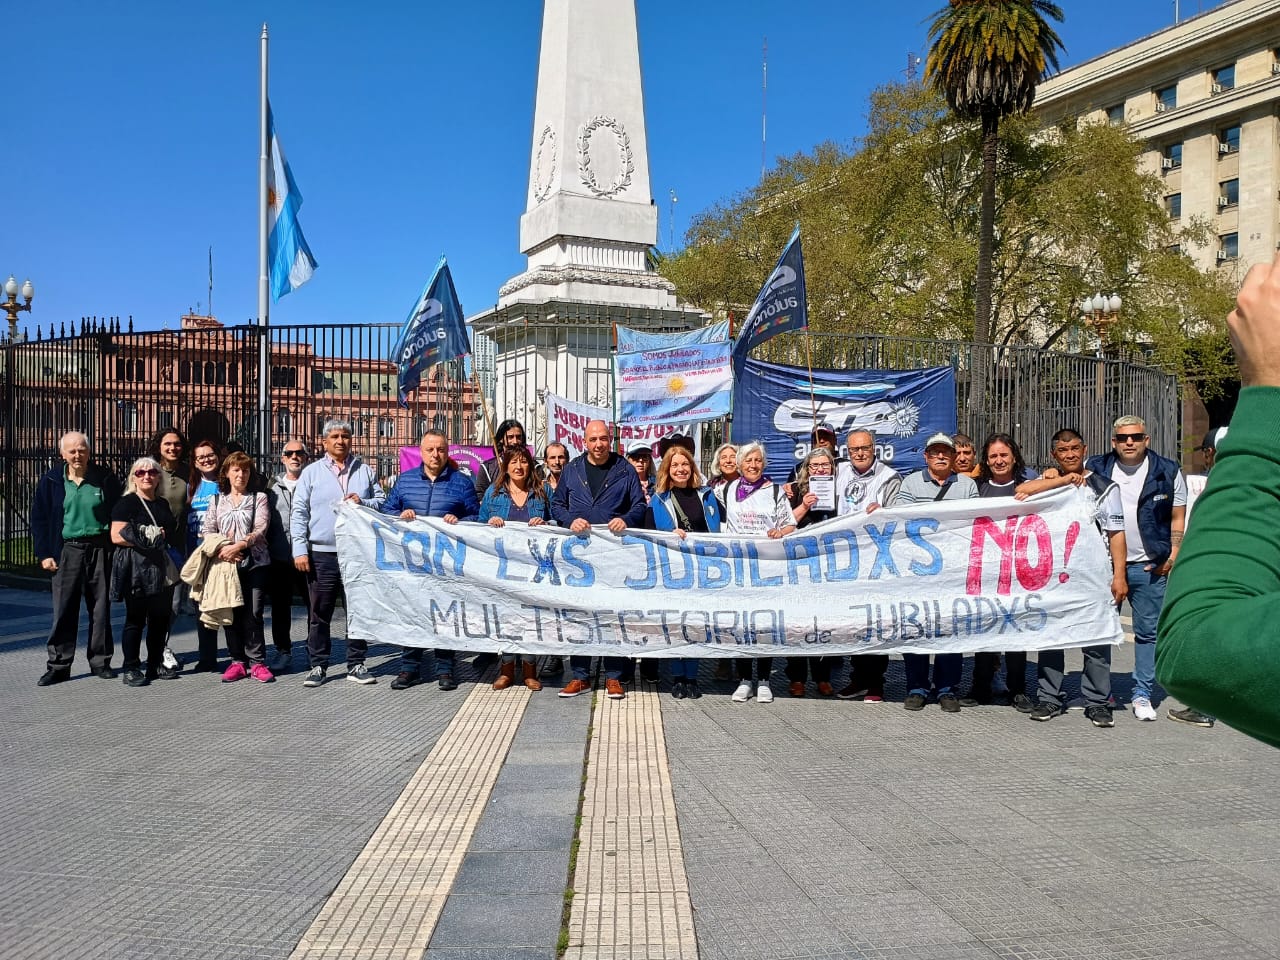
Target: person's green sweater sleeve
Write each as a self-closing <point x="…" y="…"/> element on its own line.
<point x="1218" y="646"/>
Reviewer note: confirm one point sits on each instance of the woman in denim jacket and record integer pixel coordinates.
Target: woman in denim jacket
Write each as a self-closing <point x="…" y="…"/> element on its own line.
<point x="516" y="496"/>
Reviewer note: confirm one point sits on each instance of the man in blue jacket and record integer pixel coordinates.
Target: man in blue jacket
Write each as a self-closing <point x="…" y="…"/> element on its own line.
<point x="598" y="487"/>
<point x="1153" y="493"/>
<point x="70" y="517"/>
<point x="437" y="489"/>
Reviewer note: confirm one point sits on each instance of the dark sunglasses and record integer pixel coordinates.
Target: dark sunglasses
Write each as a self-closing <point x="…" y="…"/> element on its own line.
<point x="295" y="453"/>
<point x="1129" y="437"/>
<point x="146" y="473"/>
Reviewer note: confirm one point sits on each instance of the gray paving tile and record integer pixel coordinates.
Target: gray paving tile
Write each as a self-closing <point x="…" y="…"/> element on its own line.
<point x="524" y="872"/>
<point x="498" y="920"/>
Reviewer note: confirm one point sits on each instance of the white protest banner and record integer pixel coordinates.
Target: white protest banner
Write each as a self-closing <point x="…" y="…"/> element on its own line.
<point x="953" y="576"/>
<point x="567" y="423"/>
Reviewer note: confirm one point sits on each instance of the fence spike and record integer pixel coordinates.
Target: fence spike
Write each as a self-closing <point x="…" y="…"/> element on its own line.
<point x="116" y="325"/>
<point x="131" y="323"/>
<point x="64" y="329"/>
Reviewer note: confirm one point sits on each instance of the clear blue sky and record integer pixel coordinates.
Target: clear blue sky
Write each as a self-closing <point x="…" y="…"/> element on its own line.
<point x="408" y="131"/>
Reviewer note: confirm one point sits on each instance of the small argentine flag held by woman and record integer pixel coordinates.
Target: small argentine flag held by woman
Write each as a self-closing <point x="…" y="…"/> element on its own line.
<point x="288" y="255"/>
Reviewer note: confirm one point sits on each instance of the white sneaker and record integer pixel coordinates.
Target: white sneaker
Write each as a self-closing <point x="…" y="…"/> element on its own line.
<point x="763" y="693"/>
<point x="1143" y="710"/>
<point x="743" y="693"/>
<point x="168" y="658"/>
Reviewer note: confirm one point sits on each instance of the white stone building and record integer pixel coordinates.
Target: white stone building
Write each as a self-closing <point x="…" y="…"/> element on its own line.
<point x="1204" y="96"/>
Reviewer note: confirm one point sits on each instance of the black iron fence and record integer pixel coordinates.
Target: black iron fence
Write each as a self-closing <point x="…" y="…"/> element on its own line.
<point x="120" y="387"/>
<point x="1030" y="394"/>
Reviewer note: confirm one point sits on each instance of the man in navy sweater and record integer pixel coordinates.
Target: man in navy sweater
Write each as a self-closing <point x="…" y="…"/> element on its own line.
<point x="437" y="489"/>
<point x="598" y="487"/>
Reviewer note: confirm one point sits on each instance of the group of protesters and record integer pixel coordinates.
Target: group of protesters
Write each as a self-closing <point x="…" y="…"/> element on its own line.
<point x="214" y="537"/>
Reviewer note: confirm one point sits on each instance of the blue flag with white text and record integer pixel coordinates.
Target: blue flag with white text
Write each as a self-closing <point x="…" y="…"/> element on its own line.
<point x="780" y="306"/>
<point x="433" y="332"/>
<point x="288" y="256"/>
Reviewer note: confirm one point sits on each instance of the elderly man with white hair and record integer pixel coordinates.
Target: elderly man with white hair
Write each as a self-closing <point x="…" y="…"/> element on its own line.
<point x="336" y="477"/>
<point x="70" y="531"/>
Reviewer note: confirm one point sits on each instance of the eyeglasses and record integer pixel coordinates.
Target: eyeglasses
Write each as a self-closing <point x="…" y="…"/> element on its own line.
<point x="861" y="449"/>
<point x="208" y="458"/>
<point x="295" y="453"/>
<point x="146" y="473"/>
<point x="1129" y="437"/>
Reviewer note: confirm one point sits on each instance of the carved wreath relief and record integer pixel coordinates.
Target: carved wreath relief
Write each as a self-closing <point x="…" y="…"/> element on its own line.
<point x="544" y="164"/>
<point x="592" y="152"/>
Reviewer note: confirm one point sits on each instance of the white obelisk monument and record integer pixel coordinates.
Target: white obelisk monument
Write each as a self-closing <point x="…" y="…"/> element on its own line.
<point x="589" y="219"/>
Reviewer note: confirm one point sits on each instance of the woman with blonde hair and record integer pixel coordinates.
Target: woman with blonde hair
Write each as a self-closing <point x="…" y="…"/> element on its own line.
<point x="682" y="505"/>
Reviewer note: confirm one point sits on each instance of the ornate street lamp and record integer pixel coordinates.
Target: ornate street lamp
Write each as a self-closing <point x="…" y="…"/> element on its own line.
<point x="11" y="305"/>
<point x="1100" y="312"/>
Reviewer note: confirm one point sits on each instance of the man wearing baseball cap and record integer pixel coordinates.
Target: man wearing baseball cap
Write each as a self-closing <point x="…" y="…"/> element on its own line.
<point x="935" y="482"/>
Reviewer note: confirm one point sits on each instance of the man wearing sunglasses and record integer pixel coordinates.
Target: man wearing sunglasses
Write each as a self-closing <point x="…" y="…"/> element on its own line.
<point x="70" y="518"/>
<point x="1153" y="493"/>
<point x="285" y="580"/>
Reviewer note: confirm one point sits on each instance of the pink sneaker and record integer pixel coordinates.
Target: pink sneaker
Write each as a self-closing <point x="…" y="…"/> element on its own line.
<point x="261" y="673"/>
<point x="234" y="672"/>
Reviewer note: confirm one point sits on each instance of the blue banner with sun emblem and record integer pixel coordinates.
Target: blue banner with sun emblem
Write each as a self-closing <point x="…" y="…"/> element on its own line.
<point x="673" y="378"/>
<point x="901" y="408"/>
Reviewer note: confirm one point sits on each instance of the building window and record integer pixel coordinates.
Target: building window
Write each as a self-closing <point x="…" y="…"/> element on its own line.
<point x="1229" y="246"/>
<point x="386" y="428"/>
<point x="130" y="369"/>
<point x="128" y="416"/>
<point x="1173" y="204"/>
<point x="1229" y="193"/>
<point x="164" y="419"/>
<point x="1229" y="140"/>
<point x="1224" y="79"/>
<point x="355" y="386"/>
<point x="1115" y="114"/>
<point x="284" y="422"/>
<point x="1172" y="159"/>
<point x="284" y="377"/>
<point x="1166" y="98"/>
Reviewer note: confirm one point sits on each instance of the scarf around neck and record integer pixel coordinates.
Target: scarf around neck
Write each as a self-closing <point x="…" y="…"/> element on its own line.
<point x="745" y="489"/>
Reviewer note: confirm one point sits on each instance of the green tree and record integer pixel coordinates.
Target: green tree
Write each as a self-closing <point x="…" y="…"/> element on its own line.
<point x="890" y="228"/>
<point x="986" y="58"/>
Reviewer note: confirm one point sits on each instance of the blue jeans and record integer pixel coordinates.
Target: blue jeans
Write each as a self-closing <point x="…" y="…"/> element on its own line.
<point x="1146" y="597"/>
<point x="947" y="668"/>
<point x="684" y="668"/>
<point x="581" y="667"/>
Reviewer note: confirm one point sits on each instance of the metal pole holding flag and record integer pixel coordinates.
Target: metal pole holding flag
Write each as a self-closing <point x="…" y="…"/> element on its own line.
<point x="264" y="295"/>
<point x="808" y="359"/>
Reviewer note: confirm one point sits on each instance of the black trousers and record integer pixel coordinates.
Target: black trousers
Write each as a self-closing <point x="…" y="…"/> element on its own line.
<point x="323" y="583"/>
<point x="985" y="666"/>
<point x="152" y="614"/>
<point x="84" y="572"/>
<point x="411" y="660"/>
<point x="284" y="582"/>
<point x="245" y="640"/>
<point x="867" y="670"/>
<point x="798" y="669"/>
<point x="764" y="667"/>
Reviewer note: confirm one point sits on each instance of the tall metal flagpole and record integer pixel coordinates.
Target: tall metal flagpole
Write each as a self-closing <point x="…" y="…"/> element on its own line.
<point x="264" y="290"/>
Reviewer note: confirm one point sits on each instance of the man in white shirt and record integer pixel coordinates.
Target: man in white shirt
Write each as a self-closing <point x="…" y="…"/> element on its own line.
<point x="1069" y="451"/>
<point x="1153" y="494"/>
<point x="863" y="483"/>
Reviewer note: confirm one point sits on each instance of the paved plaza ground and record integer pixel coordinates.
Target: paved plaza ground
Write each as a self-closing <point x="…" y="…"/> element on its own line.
<point x="193" y="819"/>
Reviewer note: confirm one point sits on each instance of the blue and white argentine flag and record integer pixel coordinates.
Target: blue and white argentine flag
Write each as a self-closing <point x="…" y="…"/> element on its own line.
<point x="288" y="255"/>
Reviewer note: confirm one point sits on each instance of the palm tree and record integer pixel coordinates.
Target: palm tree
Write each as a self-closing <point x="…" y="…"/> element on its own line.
<point x="986" y="58"/>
